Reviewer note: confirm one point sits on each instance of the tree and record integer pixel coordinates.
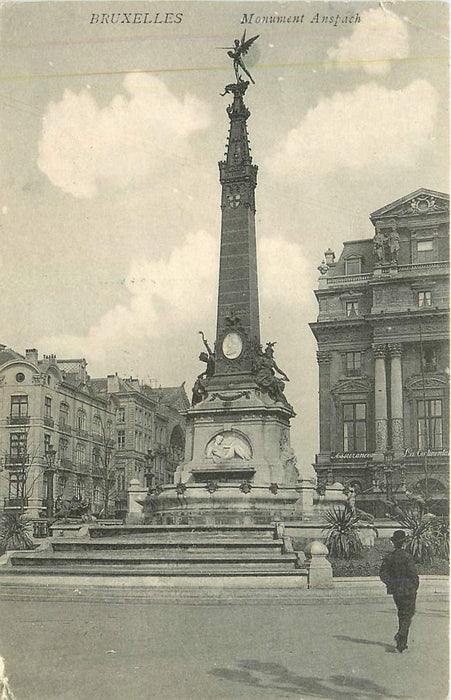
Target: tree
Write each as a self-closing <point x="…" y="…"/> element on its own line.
<point x="21" y="465"/>
<point x="104" y="469"/>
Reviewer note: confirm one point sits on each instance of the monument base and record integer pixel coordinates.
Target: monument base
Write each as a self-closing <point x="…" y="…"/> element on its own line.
<point x="222" y="504"/>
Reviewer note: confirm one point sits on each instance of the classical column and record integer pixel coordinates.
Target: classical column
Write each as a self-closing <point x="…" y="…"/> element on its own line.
<point x="396" y="399"/>
<point x="380" y="398"/>
<point x="323" y="359"/>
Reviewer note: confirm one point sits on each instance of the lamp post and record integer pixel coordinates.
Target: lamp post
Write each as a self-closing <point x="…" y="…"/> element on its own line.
<point x="388" y="474"/>
<point x="50" y="456"/>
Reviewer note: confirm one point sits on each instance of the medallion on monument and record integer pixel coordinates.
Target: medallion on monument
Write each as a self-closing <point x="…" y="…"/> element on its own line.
<point x="232" y="345"/>
<point x="228" y="445"/>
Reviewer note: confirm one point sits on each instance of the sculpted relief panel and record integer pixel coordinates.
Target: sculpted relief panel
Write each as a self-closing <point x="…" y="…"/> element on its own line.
<point x="226" y="446"/>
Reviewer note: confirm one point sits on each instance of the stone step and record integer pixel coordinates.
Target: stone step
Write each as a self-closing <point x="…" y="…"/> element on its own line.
<point x="205" y="545"/>
<point x="138" y="557"/>
<point x="113" y="570"/>
<point x="182" y="532"/>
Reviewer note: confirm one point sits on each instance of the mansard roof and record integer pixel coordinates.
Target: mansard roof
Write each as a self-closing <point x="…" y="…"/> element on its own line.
<point x="8" y="354"/>
<point x="398" y="207"/>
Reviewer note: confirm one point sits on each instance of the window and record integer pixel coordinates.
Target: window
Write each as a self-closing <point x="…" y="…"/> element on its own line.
<point x="429" y="359"/>
<point x="353" y="364"/>
<point x="121" y="414"/>
<point x="16" y="484"/>
<point x="424" y="298"/>
<point x="18" y="445"/>
<point x="120" y="481"/>
<point x="47" y="444"/>
<point x="121" y="438"/>
<point x="353" y="266"/>
<point x="19" y="406"/>
<point x="96" y="425"/>
<point x="81" y="420"/>
<point x="352" y="308"/>
<point x="430" y="424"/>
<point x="63" y="445"/>
<point x="79" y="489"/>
<point x="47" y="407"/>
<point x="96" y="492"/>
<point x="96" y="456"/>
<point x="354" y="427"/>
<point x="425" y="251"/>
<point x="80" y="455"/>
<point x="64" y="414"/>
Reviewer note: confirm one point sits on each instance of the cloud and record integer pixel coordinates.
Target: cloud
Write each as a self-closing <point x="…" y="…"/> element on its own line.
<point x="124" y="142"/>
<point x="168" y="298"/>
<point x="371" y="127"/>
<point x="380" y="37"/>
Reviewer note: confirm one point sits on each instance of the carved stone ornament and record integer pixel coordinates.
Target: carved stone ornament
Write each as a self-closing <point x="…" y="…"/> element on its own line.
<point x="274" y="488"/>
<point x="39" y="378"/>
<point x="395" y="349"/>
<point x="322" y="268"/>
<point x="230" y="397"/>
<point x="226" y="446"/>
<point x="211" y="486"/>
<point x="322" y="357"/>
<point x="379" y="350"/>
<point x="180" y="488"/>
<point x="246" y="486"/>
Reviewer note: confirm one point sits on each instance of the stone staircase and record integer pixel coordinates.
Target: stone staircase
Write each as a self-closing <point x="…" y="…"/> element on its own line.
<point x="164" y="550"/>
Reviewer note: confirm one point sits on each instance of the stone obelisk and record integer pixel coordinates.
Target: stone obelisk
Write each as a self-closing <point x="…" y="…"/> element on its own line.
<point x="239" y="466"/>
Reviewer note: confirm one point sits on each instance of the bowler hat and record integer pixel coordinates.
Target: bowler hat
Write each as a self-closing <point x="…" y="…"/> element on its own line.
<point x="398" y="536"/>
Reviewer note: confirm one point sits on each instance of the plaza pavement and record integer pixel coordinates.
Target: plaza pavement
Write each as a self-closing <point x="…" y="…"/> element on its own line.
<point x="96" y="647"/>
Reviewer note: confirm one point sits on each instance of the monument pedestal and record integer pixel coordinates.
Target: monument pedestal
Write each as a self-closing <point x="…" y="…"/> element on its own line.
<point x="242" y="469"/>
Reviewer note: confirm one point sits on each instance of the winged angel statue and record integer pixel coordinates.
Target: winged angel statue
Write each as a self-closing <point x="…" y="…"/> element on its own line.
<point x="237" y="51"/>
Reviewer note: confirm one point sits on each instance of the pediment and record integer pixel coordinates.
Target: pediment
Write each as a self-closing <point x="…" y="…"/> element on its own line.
<point x="435" y="381"/>
<point x="352" y="386"/>
<point x="420" y="202"/>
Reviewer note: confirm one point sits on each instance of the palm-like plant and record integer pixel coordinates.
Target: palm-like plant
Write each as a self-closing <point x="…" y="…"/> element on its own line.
<point x="421" y="539"/>
<point x="15" y="532"/>
<point x="440" y="528"/>
<point x="342" y="538"/>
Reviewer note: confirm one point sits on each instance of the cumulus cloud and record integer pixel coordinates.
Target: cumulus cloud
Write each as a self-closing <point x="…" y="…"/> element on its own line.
<point x="381" y="36"/>
<point x="371" y="126"/>
<point x="126" y="141"/>
<point x="169" y="297"/>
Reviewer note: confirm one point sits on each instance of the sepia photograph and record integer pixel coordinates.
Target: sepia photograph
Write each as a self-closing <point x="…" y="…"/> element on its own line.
<point x="224" y="350"/>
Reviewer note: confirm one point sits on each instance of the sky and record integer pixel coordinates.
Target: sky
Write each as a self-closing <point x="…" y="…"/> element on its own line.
<point x="110" y="138"/>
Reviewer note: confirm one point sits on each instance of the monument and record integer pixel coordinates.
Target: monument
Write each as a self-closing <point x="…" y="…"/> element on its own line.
<point x="239" y="467"/>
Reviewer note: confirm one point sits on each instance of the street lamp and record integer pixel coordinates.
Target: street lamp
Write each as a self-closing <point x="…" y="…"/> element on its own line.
<point x="50" y="457"/>
<point x="150" y="459"/>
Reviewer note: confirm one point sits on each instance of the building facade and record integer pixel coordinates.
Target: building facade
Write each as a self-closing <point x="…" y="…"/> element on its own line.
<point x="383" y="354"/>
<point x="65" y="435"/>
<point x="150" y="432"/>
<point x="54" y="432"/>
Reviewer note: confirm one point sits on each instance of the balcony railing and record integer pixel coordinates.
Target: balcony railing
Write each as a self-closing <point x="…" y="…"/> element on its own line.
<point x="81" y="433"/>
<point x="16" y="460"/>
<point x="49" y="421"/>
<point x="19" y="420"/>
<point x="17" y="502"/>
<point x="433" y="265"/>
<point x="64" y="428"/>
<point x="348" y="279"/>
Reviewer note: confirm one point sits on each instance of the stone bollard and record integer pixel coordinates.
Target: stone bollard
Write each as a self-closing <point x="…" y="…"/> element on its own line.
<point x="319" y="569"/>
<point x="134" y="514"/>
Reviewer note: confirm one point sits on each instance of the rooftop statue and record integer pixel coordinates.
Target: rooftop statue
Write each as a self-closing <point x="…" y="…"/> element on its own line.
<point x="236" y="53"/>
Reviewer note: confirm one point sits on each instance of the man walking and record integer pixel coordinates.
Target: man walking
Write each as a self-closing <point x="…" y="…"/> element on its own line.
<point x="399" y="573"/>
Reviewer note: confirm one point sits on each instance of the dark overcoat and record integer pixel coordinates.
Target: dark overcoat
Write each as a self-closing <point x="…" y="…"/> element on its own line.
<point x="399" y="573"/>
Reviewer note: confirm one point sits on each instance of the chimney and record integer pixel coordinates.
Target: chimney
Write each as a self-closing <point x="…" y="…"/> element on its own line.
<point x="32" y="355"/>
<point x="112" y="383"/>
<point x="329" y="256"/>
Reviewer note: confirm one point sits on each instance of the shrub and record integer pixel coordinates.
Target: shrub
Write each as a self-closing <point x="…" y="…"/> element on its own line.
<point x="342" y="538"/>
<point x="440" y="529"/>
<point x="15" y="532"/>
